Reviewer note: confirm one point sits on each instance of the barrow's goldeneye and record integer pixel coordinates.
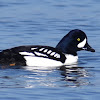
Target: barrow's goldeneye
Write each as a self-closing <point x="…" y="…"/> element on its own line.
<point x="36" y="55"/>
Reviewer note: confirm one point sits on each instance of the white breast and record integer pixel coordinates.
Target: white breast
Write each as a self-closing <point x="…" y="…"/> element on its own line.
<point x="70" y="59"/>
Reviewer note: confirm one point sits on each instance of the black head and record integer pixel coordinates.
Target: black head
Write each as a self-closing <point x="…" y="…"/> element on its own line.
<point x="74" y="41"/>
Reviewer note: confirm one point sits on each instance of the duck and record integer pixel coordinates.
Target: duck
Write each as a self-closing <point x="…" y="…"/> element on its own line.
<point x="64" y="53"/>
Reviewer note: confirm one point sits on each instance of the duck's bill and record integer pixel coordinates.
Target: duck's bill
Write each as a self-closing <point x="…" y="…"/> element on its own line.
<point x="87" y="47"/>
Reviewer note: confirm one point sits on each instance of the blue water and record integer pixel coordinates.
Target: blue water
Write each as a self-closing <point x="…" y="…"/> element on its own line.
<point x="45" y="22"/>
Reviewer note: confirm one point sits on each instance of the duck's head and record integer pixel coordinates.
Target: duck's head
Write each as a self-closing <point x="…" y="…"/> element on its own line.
<point x="74" y="41"/>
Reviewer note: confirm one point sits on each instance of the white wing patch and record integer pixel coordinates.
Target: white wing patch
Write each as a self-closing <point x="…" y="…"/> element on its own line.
<point x="41" y="49"/>
<point x="49" y="52"/>
<point x="31" y="54"/>
<point x="33" y="48"/>
<point x="40" y="54"/>
<point x="82" y="44"/>
<point x="52" y="53"/>
<point x="57" y="55"/>
<point x="45" y="50"/>
<point x="26" y="53"/>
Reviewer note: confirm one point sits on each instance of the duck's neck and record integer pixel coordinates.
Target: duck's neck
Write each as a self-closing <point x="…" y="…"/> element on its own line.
<point x="66" y="46"/>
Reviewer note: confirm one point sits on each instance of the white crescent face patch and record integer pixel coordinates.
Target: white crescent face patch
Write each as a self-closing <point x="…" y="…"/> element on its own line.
<point x="82" y="44"/>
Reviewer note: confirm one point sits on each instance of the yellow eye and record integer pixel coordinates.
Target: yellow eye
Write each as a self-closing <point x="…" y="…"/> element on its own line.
<point x="78" y="39"/>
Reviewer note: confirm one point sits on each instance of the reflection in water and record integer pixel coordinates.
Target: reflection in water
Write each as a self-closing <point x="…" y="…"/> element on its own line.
<point x="75" y="76"/>
<point x="70" y="76"/>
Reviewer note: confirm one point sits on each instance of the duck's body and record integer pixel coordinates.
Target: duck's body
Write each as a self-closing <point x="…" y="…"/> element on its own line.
<point x="35" y="55"/>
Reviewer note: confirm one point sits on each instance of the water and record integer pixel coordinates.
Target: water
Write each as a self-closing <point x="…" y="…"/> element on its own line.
<point x="45" y="22"/>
